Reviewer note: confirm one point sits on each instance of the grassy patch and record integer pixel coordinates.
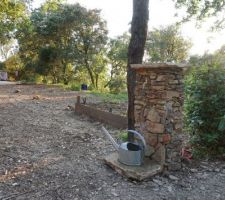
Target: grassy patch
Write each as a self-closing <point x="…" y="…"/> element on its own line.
<point x="71" y="86"/>
<point x="108" y="97"/>
<point x="74" y="87"/>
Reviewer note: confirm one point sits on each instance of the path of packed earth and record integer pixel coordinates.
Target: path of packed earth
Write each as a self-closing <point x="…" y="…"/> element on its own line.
<point x="47" y="152"/>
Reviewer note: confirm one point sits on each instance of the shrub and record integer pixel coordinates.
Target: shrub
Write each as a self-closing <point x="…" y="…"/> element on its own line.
<point x="117" y="85"/>
<point x="75" y="87"/>
<point x="205" y="109"/>
<point x="123" y="136"/>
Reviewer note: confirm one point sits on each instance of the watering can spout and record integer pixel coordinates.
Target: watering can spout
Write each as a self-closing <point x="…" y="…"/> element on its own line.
<point x="111" y="138"/>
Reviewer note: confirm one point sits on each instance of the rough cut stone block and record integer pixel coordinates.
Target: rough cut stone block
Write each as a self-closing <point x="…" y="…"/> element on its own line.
<point x="161" y="78"/>
<point x="178" y="115"/>
<point x="153" y="116"/>
<point x="160" y="154"/>
<point x="154" y="82"/>
<point x="166" y="138"/>
<point x="148" y="169"/>
<point x="137" y="116"/>
<point x="157" y="101"/>
<point x="155" y="127"/>
<point x="174" y="166"/>
<point x="174" y="82"/>
<point x="157" y="95"/>
<point x="138" y="107"/>
<point x="171" y="94"/>
<point x="152" y="139"/>
<point x="153" y="76"/>
<point x="179" y="126"/>
<point x="158" y="87"/>
<point x="136" y="102"/>
<point x="177" y="104"/>
<point x="142" y="72"/>
<point x="165" y="77"/>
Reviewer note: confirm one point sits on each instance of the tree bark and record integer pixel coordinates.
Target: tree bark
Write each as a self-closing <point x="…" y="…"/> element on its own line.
<point x="90" y="72"/>
<point x="139" y="28"/>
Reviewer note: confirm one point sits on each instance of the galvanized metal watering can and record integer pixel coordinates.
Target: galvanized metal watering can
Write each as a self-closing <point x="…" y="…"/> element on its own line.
<point x="129" y="153"/>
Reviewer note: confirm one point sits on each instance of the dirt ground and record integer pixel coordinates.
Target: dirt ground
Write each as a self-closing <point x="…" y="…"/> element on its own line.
<point x="49" y="153"/>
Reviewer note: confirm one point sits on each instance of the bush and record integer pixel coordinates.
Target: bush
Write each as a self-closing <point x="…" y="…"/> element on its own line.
<point x="205" y="109"/>
<point x="75" y="87"/>
<point x="123" y="136"/>
<point x="117" y="85"/>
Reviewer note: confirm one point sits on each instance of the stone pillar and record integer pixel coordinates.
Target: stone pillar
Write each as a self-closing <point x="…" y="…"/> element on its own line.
<point x="158" y="110"/>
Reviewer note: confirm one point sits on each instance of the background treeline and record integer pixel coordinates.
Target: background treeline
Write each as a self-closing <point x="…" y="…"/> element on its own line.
<point x="61" y="43"/>
<point x="69" y="44"/>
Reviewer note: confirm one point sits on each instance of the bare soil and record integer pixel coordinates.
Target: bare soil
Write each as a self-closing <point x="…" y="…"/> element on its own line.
<point x="47" y="152"/>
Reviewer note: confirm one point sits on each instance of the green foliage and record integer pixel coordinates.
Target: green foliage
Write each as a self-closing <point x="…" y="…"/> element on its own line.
<point x="123" y="135"/>
<point x="201" y="9"/>
<point x="117" y="85"/>
<point x="216" y="58"/>
<point x="2" y="65"/>
<point x="90" y="42"/>
<point x="167" y="45"/>
<point x="61" y="40"/>
<point x="13" y="64"/>
<point x="11" y="14"/>
<point x="47" y="55"/>
<point x="205" y="109"/>
<point x="47" y="63"/>
<point x="32" y="78"/>
<point x="221" y="126"/>
<point x="117" y="59"/>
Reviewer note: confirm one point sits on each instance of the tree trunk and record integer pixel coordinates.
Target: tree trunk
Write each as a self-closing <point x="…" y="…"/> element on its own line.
<point x="90" y="72"/>
<point x="65" y="79"/>
<point x="96" y="81"/>
<point x="139" y="28"/>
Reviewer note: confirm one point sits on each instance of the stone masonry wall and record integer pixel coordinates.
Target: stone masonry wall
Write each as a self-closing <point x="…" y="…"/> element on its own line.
<point x="158" y="111"/>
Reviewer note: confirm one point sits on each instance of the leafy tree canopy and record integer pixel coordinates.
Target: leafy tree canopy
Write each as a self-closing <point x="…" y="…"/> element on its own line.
<point x="217" y="58"/>
<point x="167" y="45"/>
<point x="12" y="13"/>
<point x="202" y="9"/>
<point x="77" y="34"/>
<point x="117" y="59"/>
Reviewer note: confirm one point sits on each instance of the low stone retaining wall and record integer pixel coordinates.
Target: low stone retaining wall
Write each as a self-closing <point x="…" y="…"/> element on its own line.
<point x="114" y="120"/>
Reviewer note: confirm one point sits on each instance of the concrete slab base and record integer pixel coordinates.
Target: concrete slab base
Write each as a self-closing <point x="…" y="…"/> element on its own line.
<point x="148" y="169"/>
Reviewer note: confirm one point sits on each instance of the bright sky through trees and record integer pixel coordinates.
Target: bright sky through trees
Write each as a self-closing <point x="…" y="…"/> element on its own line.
<point x="118" y="14"/>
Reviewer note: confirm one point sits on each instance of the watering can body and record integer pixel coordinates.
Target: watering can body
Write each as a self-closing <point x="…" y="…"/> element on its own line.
<point x="130" y="153"/>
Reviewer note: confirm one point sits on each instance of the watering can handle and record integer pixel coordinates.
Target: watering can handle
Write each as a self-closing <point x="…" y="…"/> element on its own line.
<point x="138" y="135"/>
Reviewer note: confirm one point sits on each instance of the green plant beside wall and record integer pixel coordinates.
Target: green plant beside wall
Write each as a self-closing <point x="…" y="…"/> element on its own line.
<point x="111" y="98"/>
<point x="205" y="110"/>
<point x="123" y="136"/>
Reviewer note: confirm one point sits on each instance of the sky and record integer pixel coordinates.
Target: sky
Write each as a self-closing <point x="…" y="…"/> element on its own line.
<point x="118" y="14"/>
